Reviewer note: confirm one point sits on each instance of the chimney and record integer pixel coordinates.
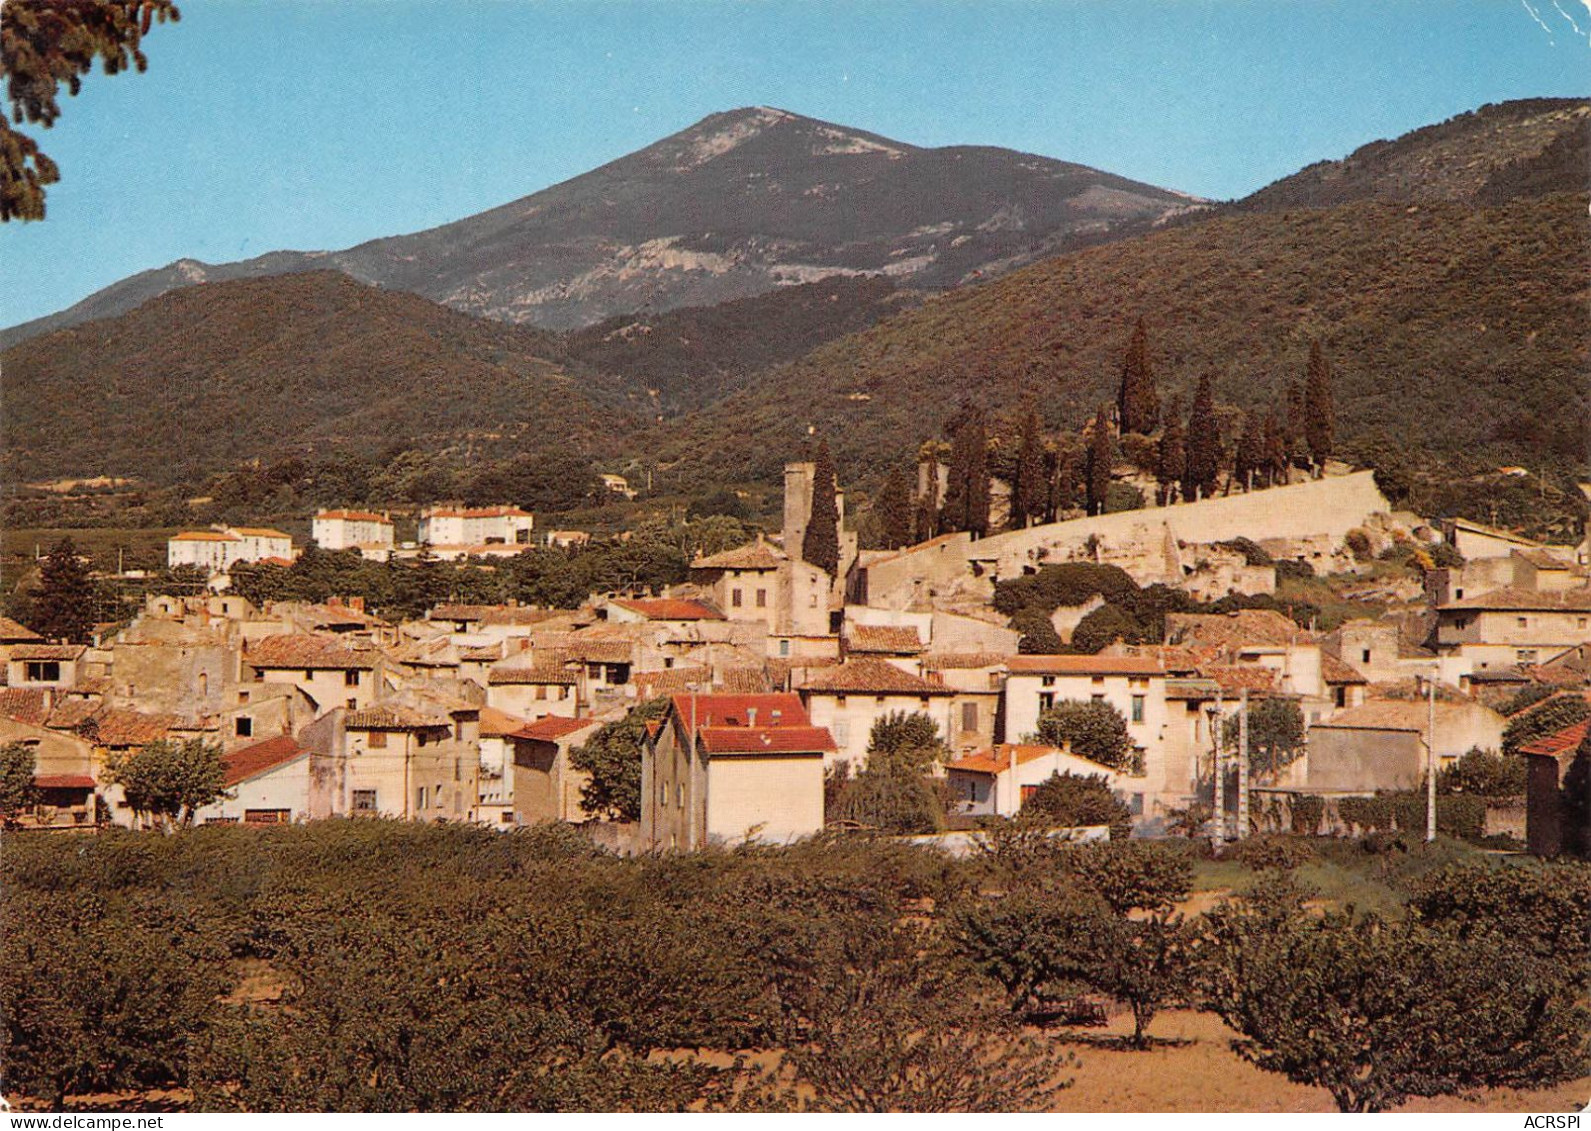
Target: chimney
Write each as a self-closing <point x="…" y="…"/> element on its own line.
<point x="357" y="604"/>
<point x="751" y="716"/>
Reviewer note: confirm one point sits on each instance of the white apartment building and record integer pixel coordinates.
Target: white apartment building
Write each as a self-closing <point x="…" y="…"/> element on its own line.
<point x="476" y="526"/>
<point x="352" y="530"/>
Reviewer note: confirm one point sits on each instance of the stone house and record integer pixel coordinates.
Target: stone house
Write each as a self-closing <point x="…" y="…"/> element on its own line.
<point x="413" y="755"/>
<point x="849" y="698"/>
<point x="44" y="665"/>
<point x="545" y="786"/>
<point x="1512" y="626"/>
<point x="332" y="672"/>
<point x="545" y="685"/>
<point x="452" y="526"/>
<point x="726" y="768"/>
<point x="494" y="803"/>
<point x="1552" y="826"/>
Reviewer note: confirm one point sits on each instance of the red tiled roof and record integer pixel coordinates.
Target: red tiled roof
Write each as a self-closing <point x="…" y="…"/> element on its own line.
<point x="25" y="704"/>
<point x="395" y="716"/>
<point x="12" y="632"/>
<point x="668" y="608"/>
<point x="671" y="681"/>
<point x="888" y="638"/>
<point x="477" y="512"/>
<point x="767" y="740"/>
<point x="47" y="651"/>
<point x="1563" y="742"/>
<point x="772" y="711"/>
<point x="1085" y="665"/>
<point x="204" y="536"/>
<point x="249" y="761"/>
<point x="871" y="676"/>
<point x="64" y="781"/>
<point x="964" y="661"/>
<point x="1236" y="678"/>
<point x="755" y="556"/>
<point x="69" y="714"/>
<point x="551" y="728"/>
<point x="308" y="651"/>
<point x="259" y="532"/>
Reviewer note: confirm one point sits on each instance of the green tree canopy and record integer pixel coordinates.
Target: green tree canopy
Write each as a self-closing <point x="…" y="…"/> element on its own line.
<point x="612" y="756"/>
<point x="820" y="545"/>
<point x="1078" y="801"/>
<point x="1320" y="413"/>
<point x="1275" y="735"/>
<point x="1101" y="455"/>
<point x="1137" y="400"/>
<point x="17" y="791"/>
<point x="64" y="602"/>
<point x="894" y="507"/>
<point x="910" y="741"/>
<point x="1203" y="464"/>
<point x="1092" y="728"/>
<point x="44" y="43"/>
<point x="171" y="780"/>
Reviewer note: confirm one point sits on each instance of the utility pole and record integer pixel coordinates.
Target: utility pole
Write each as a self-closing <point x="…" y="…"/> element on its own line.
<point x="1218" y="803"/>
<point x="1242" y="769"/>
<point x="1430" y="761"/>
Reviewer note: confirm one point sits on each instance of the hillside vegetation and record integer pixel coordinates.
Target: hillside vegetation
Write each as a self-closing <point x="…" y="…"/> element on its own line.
<point x="203" y="378"/>
<point x="1463" y="332"/>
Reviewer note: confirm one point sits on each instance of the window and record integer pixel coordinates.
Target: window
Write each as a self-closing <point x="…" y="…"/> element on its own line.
<point x="734" y="598"/>
<point x="841" y="729"/>
<point x="1582" y="623"/>
<point x="243" y="696"/>
<point x="969" y="716"/>
<point x="308" y="675"/>
<point x="679" y="795"/>
<point x="1138" y="709"/>
<point x="365" y="799"/>
<point x="267" y="816"/>
<point x="419" y="798"/>
<point x="1523" y="622"/>
<point x="1364" y="658"/>
<point x="458" y="732"/>
<point x="420" y="738"/>
<point x="353" y="704"/>
<point x="1458" y="594"/>
<point x="541" y="691"/>
<point x="43" y="671"/>
<point x="351" y="679"/>
<point x="762" y="598"/>
<point x="377" y="740"/>
<point x="1047" y="681"/>
<point x="507" y="817"/>
<point x="662" y="794"/>
<point x="243" y="727"/>
<point x="1098" y="697"/>
<point x="1525" y="656"/>
<point x="1046" y="700"/>
<point x="784" y="647"/>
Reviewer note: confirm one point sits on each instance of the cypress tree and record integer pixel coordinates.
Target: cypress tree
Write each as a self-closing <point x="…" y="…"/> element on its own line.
<point x="1319" y="413"/>
<point x="63" y="604"/>
<point x="1137" y="401"/>
<point x="1293" y="424"/>
<point x="1275" y="450"/>
<point x="1029" y="491"/>
<point x="1249" y="459"/>
<point x="821" y="543"/>
<point x="926" y="516"/>
<point x="894" y="508"/>
<point x="1060" y="469"/>
<point x="1101" y="449"/>
<point x="1172" y="462"/>
<point x="1204" y="445"/>
<point x="966" y="504"/>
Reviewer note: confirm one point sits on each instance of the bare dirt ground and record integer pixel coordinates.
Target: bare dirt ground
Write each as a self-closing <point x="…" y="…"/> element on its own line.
<point x="1200" y="1072"/>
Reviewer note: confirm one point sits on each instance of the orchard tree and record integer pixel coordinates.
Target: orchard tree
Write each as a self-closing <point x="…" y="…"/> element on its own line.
<point x="1378" y="1012"/>
<point x="1319" y="411"/>
<point x="1092" y="727"/>
<point x="820" y="545"/>
<point x="44" y="43"/>
<point x="170" y="780"/>
<point x="1137" y="401"/>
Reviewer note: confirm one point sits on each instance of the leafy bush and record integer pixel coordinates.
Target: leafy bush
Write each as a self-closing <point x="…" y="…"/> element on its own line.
<point x="1071" y="801"/>
<point x="1273" y="853"/>
<point x="1484" y="773"/>
<point x="1546" y="718"/>
<point x="892" y="799"/>
<point x="1308" y="811"/>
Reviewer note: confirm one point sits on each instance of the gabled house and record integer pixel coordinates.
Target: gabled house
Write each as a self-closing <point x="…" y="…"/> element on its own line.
<point x="1000" y="779"/>
<point x="545" y="685"/>
<point x="44" y="665"/>
<point x="268" y="783"/>
<point x="849" y="698"/>
<point x="1512" y="626"/>
<point x="726" y="768"/>
<point x="1552" y="824"/>
<point x="545" y="786"/>
<point x="332" y="672"/>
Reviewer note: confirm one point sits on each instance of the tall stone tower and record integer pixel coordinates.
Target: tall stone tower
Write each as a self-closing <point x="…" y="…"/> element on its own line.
<point x="797" y="504"/>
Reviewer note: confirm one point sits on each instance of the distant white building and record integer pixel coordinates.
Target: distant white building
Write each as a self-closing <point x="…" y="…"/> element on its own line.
<point x="220" y="548"/>
<point x="369" y="533"/>
<point x="476" y="526"/>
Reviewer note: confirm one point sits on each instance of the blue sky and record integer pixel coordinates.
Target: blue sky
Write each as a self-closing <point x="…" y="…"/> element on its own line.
<point x="266" y="124"/>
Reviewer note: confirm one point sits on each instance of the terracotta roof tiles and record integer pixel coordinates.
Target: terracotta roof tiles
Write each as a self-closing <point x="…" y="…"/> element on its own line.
<point x="11" y="632"/>
<point x="307" y="651"/>
<point x="668" y="608"/>
<point x="251" y="761"/>
<point x="47" y="651"/>
<point x="1085" y="665"/>
<point x="871" y="676"/>
<point x="25" y="704"/>
<point x="885" y="638"/>
<point x="551" y="728"/>
<point x="755" y="556"/>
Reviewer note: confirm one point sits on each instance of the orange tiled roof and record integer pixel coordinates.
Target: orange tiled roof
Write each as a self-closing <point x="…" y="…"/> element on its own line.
<point x="887" y="638"/>
<point x="1234" y="629"/>
<point x="259" y="532"/>
<point x="70" y="714"/>
<point x="396" y="716"/>
<point x="779" y="709"/>
<point x="12" y="632"/>
<point x="743" y="679"/>
<point x="1085" y="665"/>
<point x="477" y="512"/>
<point x="871" y="676"/>
<point x="545" y="669"/>
<point x="496" y="724"/>
<point x="355" y="516"/>
<point x="204" y="536"/>
<point x="668" y="608"/>
<point x="1233" y="679"/>
<point x="670" y="681"/>
<point x="963" y="661"/>
<point x="307" y="651"/>
<point x="250" y="761"/>
<point x="1333" y="670"/>
<point x="998" y="759"/>
<point x="755" y="556"/>
<point x="47" y="651"/>
<point x="119" y="727"/>
<point x="64" y="781"/>
<point x="25" y="704"/>
<point x="1563" y="742"/>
